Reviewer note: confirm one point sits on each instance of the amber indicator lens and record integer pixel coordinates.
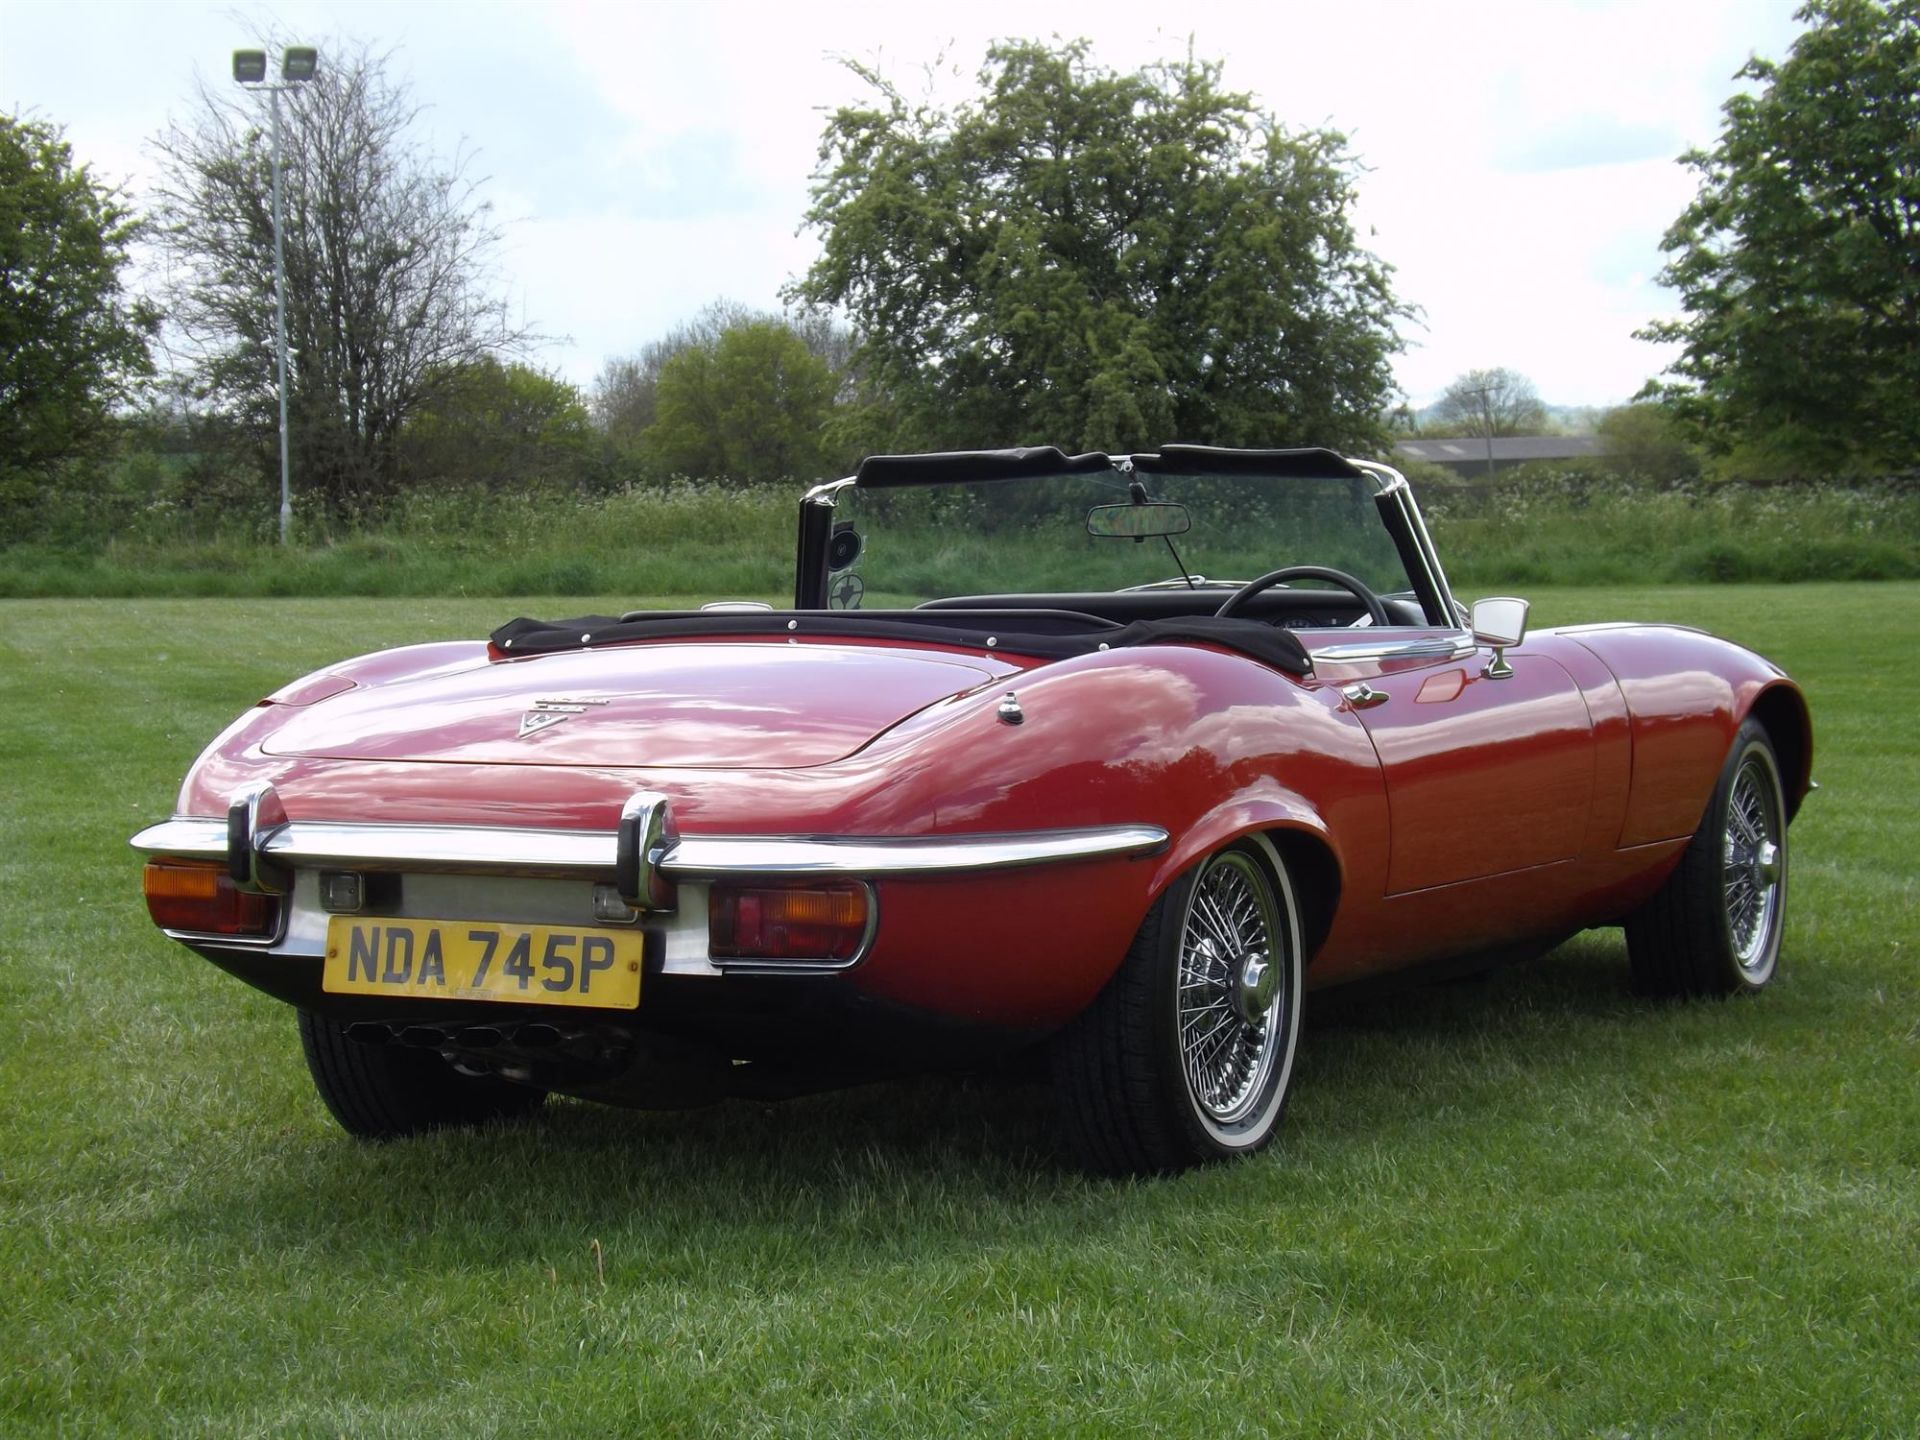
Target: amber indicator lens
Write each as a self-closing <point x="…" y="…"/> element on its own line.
<point x="817" y="923"/>
<point x="204" y="899"/>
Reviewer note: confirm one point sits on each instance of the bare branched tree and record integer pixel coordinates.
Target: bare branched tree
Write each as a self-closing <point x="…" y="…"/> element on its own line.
<point x="389" y="267"/>
<point x="1491" y="402"/>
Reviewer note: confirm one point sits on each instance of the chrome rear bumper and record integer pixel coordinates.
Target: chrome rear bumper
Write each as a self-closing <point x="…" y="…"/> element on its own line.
<point x="598" y="854"/>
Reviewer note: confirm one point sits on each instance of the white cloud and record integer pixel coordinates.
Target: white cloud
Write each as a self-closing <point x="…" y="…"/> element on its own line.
<point x="652" y="157"/>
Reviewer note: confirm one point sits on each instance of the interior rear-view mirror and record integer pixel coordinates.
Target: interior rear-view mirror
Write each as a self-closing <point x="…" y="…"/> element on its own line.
<point x="1138" y="522"/>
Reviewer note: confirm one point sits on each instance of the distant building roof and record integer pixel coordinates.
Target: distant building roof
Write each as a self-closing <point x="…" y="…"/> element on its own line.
<point x="1507" y="449"/>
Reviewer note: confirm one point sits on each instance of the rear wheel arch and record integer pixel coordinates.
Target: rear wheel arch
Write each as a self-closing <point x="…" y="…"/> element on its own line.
<point x="1286" y="829"/>
<point x="1316" y="873"/>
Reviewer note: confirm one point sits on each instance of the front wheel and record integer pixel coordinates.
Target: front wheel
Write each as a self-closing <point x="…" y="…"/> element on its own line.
<point x="1714" y="927"/>
<point x="1187" y="1055"/>
<point x="384" y="1092"/>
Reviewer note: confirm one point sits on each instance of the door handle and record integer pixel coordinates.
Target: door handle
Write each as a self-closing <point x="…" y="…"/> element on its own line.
<point x="1363" y="696"/>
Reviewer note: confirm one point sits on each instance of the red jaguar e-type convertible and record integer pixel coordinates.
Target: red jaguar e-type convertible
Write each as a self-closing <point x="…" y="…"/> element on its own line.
<point x="1011" y="772"/>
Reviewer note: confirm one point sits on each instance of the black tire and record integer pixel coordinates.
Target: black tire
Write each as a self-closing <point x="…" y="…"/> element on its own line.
<point x="1714" y="926"/>
<point x="1186" y="1056"/>
<point x="384" y="1092"/>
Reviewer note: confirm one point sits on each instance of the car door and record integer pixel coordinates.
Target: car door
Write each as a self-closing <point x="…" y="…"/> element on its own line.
<point x="1485" y="775"/>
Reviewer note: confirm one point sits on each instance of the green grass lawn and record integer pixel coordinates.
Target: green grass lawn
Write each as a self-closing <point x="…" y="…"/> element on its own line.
<point x="1525" y="1205"/>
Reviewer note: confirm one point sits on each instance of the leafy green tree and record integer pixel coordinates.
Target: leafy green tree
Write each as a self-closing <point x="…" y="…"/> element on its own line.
<point x="626" y="392"/>
<point x="1798" y="262"/>
<point x="1101" y="260"/>
<point x="753" y="404"/>
<point x="499" y="426"/>
<point x="72" y="342"/>
<point x="1645" y="440"/>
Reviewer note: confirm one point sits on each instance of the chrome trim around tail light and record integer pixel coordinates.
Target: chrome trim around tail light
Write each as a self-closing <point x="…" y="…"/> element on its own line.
<point x="761" y="965"/>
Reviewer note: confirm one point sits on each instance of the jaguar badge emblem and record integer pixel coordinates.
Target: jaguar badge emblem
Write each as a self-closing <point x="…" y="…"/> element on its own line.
<point x="544" y="714"/>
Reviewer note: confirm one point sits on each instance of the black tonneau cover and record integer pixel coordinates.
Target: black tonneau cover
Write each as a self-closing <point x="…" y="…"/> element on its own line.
<point x="1045" y="634"/>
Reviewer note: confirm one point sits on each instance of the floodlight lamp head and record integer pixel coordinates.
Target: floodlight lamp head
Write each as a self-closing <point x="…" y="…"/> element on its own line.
<point x="299" y="62"/>
<point x="249" y="66"/>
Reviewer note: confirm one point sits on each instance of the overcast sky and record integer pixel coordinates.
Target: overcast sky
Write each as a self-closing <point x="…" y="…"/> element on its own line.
<point x="649" y="158"/>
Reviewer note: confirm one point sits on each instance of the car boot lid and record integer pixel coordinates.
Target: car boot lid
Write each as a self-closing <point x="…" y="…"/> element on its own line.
<point x="719" y="705"/>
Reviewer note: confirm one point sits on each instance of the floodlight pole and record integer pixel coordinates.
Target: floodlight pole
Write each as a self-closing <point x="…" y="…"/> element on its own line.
<point x="280" y="325"/>
<point x="298" y="64"/>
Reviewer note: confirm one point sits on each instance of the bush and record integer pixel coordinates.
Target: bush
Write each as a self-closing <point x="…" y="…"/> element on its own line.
<point x="1583" y="524"/>
<point x="141" y="527"/>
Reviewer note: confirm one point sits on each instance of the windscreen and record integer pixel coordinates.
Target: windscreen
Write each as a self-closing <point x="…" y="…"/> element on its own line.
<point x="903" y="545"/>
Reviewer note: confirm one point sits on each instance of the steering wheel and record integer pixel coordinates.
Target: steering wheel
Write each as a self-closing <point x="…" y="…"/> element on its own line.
<point x="1234" y="602"/>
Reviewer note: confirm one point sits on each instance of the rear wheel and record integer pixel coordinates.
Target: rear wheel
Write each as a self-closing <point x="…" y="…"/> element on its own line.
<point x="383" y="1092"/>
<point x="1187" y="1055"/>
<point x="1714" y="927"/>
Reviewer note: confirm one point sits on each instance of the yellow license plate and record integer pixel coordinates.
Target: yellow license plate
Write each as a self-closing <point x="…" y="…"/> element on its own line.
<point x="474" y="960"/>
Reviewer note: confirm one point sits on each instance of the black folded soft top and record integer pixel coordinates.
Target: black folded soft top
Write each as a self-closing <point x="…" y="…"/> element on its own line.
<point x="1046" y="634"/>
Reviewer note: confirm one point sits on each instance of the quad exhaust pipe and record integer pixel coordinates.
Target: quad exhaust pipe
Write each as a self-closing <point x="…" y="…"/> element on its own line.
<point x="534" y="1035"/>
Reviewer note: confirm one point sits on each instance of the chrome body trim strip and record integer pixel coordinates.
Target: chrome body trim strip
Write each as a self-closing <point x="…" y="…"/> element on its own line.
<point x="715" y="857"/>
<point x="184" y="837"/>
<point x="345" y="845"/>
<point x="1457" y="646"/>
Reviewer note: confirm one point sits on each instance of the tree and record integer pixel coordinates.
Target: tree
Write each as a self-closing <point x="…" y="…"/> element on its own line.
<point x="72" y="343"/>
<point x="1798" y="262"/>
<point x="1101" y="260"/>
<point x="1643" y="440"/>
<point x="753" y="404"/>
<point x="388" y="255"/>
<point x="1490" y="402"/>
<point x="497" y="427"/>
<point x="626" y="391"/>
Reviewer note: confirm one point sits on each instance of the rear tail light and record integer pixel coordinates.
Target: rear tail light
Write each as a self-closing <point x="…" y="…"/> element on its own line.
<point x="818" y="923"/>
<point x="204" y="899"/>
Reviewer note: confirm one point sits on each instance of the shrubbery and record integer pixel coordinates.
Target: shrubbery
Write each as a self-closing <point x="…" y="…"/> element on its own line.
<point x="1588" y="524"/>
<point x="185" y="521"/>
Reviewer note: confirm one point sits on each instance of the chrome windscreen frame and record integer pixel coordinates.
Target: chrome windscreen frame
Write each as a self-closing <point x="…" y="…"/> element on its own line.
<point x="1398" y="493"/>
<point x="1389" y="484"/>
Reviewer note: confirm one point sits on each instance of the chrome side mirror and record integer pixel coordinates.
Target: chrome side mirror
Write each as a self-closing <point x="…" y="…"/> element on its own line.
<point x="1499" y="621"/>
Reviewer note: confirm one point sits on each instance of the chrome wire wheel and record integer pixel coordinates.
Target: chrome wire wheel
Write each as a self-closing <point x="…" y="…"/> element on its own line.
<point x="1186" y="1055"/>
<point x="1235" y="1005"/>
<point x="1754" y="865"/>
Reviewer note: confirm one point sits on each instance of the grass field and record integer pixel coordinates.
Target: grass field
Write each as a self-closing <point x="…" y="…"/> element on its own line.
<point x="1526" y="1205"/>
